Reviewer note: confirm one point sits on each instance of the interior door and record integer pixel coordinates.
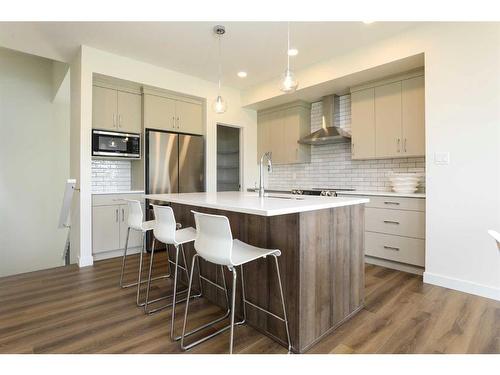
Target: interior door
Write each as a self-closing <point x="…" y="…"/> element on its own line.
<point x="191" y="164"/>
<point x="129" y="112"/>
<point x="162" y="170"/>
<point x="105" y="228"/>
<point x="104" y="106"/>
<point x="388" y="142"/>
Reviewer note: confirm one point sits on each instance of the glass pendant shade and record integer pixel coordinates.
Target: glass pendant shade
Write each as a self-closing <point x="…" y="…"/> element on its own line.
<point x="219" y="105"/>
<point x="288" y="82"/>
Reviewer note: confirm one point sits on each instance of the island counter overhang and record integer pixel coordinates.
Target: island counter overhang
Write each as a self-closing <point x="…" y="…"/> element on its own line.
<point x="322" y="263"/>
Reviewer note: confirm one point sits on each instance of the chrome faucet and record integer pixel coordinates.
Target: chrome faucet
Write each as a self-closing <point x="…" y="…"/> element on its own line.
<point x="268" y="156"/>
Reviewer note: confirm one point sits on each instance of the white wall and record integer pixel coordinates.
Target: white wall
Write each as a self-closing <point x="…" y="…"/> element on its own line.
<point x="90" y="61"/>
<point x="34" y="163"/>
<point x="462" y="69"/>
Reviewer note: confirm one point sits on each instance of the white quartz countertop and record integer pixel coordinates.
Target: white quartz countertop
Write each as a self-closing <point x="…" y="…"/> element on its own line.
<point x="250" y="203"/>
<point x="383" y="194"/>
<point x="118" y="192"/>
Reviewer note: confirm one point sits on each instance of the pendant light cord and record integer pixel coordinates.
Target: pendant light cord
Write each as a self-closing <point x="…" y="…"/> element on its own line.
<point x="220" y="61"/>
<point x="288" y="46"/>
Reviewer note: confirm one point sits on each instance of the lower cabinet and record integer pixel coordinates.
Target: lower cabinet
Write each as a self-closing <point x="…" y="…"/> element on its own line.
<point x="395" y="232"/>
<point x="109" y="225"/>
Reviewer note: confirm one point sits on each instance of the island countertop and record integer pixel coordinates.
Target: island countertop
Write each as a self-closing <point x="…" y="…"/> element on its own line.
<point x="250" y="203"/>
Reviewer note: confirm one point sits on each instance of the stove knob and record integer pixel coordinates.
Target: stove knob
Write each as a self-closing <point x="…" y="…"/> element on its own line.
<point x="300" y="192"/>
<point x="328" y="193"/>
<point x="322" y="193"/>
<point x="294" y="191"/>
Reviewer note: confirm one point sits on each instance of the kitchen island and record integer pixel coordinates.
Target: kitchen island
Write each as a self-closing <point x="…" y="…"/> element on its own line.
<point x="322" y="261"/>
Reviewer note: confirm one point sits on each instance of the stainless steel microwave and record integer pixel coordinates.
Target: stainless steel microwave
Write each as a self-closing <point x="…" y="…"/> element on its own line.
<point x="116" y="144"/>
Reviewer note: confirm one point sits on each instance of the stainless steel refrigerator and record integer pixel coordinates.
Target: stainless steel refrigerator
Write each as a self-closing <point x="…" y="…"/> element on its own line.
<point x="175" y="163"/>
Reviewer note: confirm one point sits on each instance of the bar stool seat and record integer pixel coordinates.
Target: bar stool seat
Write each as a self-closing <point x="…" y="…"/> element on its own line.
<point x="245" y="253"/>
<point x="184" y="235"/>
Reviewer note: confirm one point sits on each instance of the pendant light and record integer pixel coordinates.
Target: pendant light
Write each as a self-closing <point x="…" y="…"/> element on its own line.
<point x="288" y="81"/>
<point x="219" y="104"/>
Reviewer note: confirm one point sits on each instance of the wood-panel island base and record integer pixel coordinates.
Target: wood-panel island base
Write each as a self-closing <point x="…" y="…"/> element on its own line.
<point x="321" y="264"/>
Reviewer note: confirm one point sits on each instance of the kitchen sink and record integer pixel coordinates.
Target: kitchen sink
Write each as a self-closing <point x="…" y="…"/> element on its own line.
<point x="277" y="197"/>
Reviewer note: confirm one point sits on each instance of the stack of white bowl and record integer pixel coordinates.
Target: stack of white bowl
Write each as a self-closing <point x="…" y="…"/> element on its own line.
<point x="404" y="183"/>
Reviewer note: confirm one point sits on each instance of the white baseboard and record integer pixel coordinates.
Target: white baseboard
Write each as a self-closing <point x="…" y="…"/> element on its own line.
<point x="394" y="265"/>
<point x="116" y="253"/>
<point x="462" y="285"/>
<point x="85" y="261"/>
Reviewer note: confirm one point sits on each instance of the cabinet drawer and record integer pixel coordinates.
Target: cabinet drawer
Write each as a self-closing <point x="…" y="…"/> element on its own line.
<point x="400" y="223"/>
<point x="113" y="199"/>
<point x="399" y="249"/>
<point x="398" y="203"/>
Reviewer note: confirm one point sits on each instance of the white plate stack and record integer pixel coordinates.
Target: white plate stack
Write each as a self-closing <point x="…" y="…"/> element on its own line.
<point x="405" y="183"/>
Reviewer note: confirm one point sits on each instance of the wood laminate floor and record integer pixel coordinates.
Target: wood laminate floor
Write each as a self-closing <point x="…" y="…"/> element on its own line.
<point x="72" y="310"/>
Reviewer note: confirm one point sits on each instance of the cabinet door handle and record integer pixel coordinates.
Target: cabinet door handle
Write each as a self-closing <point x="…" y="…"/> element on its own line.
<point x="404" y="145"/>
<point x="178" y="122"/>
<point x="391" y="222"/>
<point x="391" y="248"/>
<point x="352" y="148"/>
<point x="123" y="215"/>
<point x="119" y="121"/>
<point x="391" y="202"/>
<point x="399" y="145"/>
<point x="116" y="215"/>
<point x="173" y="122"/>
<point x="114" y="120"/>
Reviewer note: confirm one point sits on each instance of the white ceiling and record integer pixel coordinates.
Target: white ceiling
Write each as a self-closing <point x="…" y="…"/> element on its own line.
<point x="190" y="47"/>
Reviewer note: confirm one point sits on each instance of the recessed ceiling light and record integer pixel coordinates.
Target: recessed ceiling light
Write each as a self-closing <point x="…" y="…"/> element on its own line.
<point x="293" y="52"/>
<point x="242" y="74"/>
<point x="368" y="22"/>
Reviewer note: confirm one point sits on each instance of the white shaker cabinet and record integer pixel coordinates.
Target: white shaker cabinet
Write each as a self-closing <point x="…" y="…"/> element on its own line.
<point x="105" y="228"/>
<point x="173" y="114"/>
<point x="116" y="110"/>
<point x="109" y="224"/>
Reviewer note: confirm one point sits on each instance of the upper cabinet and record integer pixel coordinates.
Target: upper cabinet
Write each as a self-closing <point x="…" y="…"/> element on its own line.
<point x="387" y="118"/>
<point x="413" y="102"/>
<point x="363" y="116"/>
<point x="183" y="115"/>
<point x="116" y="110"/>
<point x="279" y="130"/>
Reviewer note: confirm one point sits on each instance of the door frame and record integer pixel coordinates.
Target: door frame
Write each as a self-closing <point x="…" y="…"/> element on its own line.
<point x="241" y="159"/>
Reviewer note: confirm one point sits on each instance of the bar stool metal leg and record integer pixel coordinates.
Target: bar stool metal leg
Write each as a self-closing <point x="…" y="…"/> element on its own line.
<point x="233" y="304"/>
<point x="147" y="302"/>
<point x="243" y="295"/>
<point x="283" y="304"/>
<point x="140" y="273"/>
<point x="175" y="291"/>
<point x="206" y="325"/>
<point x="124" y="258"/>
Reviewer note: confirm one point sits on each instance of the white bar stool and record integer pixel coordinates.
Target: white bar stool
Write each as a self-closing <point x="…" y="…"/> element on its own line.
<point x="135" y="222"/>
<point x="214" y="243"/>
<point x="166" y="231"/>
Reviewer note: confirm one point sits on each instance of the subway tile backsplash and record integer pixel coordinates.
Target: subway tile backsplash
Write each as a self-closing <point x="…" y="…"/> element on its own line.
<point x="332" y="167"/>
<point x="111" y="175"/>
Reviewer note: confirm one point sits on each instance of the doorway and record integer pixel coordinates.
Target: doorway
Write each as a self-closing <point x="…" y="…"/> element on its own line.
<point x="228" y="158"/>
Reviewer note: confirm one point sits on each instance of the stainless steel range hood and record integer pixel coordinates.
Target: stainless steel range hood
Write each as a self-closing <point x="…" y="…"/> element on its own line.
<point x="328" y="133"/>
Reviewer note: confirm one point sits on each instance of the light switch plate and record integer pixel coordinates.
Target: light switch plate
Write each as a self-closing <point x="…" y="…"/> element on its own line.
<point x="442" y="158"/>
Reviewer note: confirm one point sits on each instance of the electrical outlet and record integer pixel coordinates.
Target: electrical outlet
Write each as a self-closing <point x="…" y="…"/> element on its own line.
<point x="441" y="158"/>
